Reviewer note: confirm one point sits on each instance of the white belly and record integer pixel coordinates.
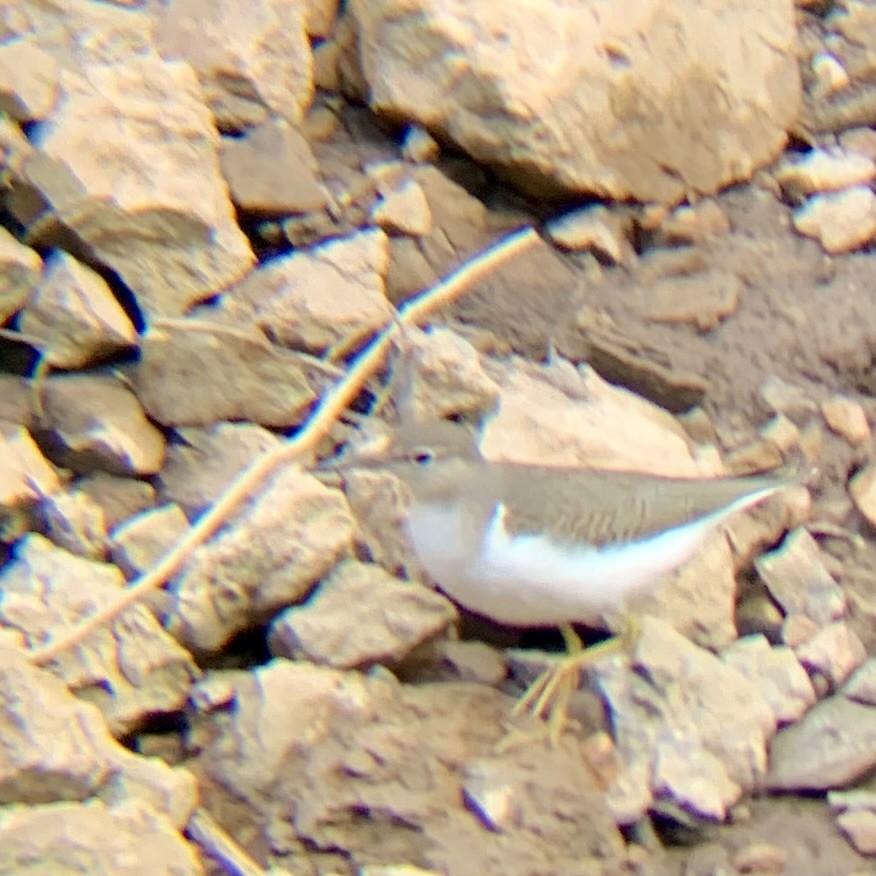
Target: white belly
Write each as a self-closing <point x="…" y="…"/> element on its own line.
<point x="534" y="581"/>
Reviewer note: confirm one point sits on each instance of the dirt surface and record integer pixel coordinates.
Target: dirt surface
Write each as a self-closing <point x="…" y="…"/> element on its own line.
<point x="206" y="214"/>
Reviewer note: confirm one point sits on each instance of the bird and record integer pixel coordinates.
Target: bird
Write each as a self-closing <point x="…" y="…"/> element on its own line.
<point x="530" y="545"/>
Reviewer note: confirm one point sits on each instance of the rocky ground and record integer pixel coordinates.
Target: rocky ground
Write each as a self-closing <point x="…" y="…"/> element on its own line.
<point x="209" y="209"/>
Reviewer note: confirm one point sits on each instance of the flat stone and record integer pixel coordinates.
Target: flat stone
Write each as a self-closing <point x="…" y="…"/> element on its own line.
<point x="594" y="229"/>
<point x="846" y="417"/>
<point x="150" y="202"/>
<point x="840" y="221"/>
<point x="130" y="668"/>
<point x="824" y="170"/>
<point x="360" y="616"/>
<point x="270" y="556"/>
<point x="271" y="170"/>
<point x="94" y="422"/>
<point x="252" y="66"/>
<point x="239" y="376"/>
<point x="404" y="752"/>
<point x="76" y="315"/>
<point x="20" y="274"/>
<point x="126" y="840"/>
<point x="832" y="746"/>
<point x="835" y="651"/>
<point x="703" y="300"/>
<point x="199" y="468"/>
<point x="507" y="80"/>
<point x="693" y="728"/>
<point x="315" y="299"/>
<point x="798" y="580"/>
<point x="778" y="674"/>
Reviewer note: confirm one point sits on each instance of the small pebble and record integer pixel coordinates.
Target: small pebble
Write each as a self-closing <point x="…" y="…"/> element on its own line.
<point x="761" y="858"/>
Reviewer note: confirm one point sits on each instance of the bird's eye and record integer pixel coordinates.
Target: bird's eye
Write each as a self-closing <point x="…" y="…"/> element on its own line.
<point x="422" y="456"/>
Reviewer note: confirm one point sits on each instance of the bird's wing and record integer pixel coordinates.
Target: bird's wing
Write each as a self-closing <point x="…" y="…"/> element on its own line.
<point x="604" y="507"/>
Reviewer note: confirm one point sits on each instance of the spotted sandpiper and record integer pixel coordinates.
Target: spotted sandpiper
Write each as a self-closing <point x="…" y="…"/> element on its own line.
<point x="537" y="546"/>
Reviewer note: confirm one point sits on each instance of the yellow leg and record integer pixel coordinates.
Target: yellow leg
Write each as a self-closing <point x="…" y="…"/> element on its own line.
<point x="549" y="695"/>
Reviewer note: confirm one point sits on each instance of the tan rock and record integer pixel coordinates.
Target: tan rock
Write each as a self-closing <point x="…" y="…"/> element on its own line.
<point x="196" y="373"/>
<point x="594" y="229"/>
<point x="200" y="467"/>
<point x="703" y="300"/>
<point x="360" y="616"/>
<point x="315" y="299"/>
<point x="25" y="474"/>
<point x="321" y="17"/>
<point x="126" y="840"/>
<point x="781" y="432"/>
<point x="798" y="580"/>
<point x="271" y="169"/>
<point x="438" y="374"/>
<point x="859" y="140"/>
<point x="75" y="522"/>
<point x="149" y="199"/>
<point x="830" y="74"/>
<point x="402" y="209"/>
<point x="373" y="736"/>
<point x="846" y="417"/>
<point x="250" y="66"/>
<point x="130" y="669"/>
<point x="548" y="90"/>
<point x="832" y="746"/>
<point x="141" y="541"/>
<point x="696" y="223"/>
<point x="77" y="316"/>
<point x="419" y="145"/>
<point x="20" y="273"/>
<point x="116" y="35"/>
<point x="57" y="747"/>
<point x="96" y="423"/>
<point x="30" y="80"/>
<point x="835" y="652"/>
<point x="840" y="221"/>
<point x="823" y="170"/>
<point x="693" y="728"/>
<point x="119" y="498"/>
<point x="778" y="674"/>
<point x="326" y="77"/>
<point x="557" y="414"/>
<point x="859" y="826"/>
<point x="272" y="554"/>
<point x="862" y="488"/>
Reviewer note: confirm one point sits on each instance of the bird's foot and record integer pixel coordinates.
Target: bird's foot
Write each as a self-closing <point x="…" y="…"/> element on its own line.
<point x="548" y="697"/>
